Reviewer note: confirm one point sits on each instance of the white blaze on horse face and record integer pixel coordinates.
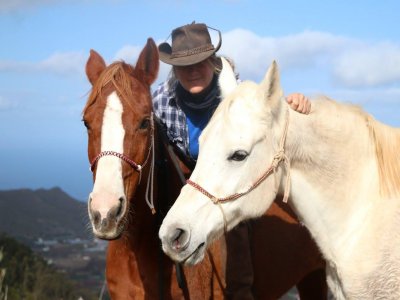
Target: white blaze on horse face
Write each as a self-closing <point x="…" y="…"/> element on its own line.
<point x="108" y="186"/>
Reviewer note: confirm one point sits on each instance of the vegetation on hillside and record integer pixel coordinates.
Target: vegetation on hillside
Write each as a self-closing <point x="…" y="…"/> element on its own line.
<point x="28" y="276"/>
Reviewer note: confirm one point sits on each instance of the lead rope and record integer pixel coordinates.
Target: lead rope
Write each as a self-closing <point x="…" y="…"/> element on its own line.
<point x="150" y="182"/>
<point x="281" y="156"/>
<point x="215" y="201"/>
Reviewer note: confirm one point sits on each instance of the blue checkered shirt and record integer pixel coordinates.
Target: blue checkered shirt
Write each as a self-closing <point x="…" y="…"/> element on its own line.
<point x="171" y="115"/>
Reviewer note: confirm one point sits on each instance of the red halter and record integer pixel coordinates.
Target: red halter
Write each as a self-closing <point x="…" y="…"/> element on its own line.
<point x="134" y="165"/>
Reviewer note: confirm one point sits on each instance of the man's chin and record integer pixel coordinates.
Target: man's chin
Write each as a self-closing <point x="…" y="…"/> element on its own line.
<point x="196" y="90"/>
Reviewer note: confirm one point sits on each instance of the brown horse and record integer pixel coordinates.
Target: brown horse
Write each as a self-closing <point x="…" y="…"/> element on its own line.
<point x="135" y="183"/>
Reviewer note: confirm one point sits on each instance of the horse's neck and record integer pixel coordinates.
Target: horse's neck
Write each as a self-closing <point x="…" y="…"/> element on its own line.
<point x="333" y="169"/>
<point x="164" y="189"/>
<point x="143" y="225"/>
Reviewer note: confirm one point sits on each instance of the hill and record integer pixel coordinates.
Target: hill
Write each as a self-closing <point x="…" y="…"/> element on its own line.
<point x="48" y="214"/>
<point x="55" y="227"/>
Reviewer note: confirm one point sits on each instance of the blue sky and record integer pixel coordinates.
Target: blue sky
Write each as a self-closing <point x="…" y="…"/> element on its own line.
<point x="348" y="50"/>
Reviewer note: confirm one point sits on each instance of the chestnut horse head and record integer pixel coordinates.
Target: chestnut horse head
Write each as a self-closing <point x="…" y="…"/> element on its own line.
<point x="119" y="122"/>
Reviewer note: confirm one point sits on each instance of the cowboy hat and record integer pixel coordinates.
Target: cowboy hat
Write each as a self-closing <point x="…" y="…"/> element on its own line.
<point x="191" y="44"/>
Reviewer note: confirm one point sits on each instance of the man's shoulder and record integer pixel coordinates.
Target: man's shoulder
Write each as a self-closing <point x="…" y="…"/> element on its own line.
<point x="163" y="96"/>
<point x="164" y="89"/>
<point x="161" y="89"/>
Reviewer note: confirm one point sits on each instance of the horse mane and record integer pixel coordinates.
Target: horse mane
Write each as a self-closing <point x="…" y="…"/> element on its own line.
<point x="387" y="144"/>
<point x="385" y="141"/>
<point x="119" y="75"/>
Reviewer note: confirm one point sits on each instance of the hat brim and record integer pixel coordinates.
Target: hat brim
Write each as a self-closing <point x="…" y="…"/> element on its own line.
<point x="165" y="51"/>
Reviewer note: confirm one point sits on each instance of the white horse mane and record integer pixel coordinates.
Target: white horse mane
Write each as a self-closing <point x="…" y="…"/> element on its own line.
<point x="387" y="145"/>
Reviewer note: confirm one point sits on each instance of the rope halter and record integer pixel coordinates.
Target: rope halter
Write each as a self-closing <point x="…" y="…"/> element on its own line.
<point x="279" y="157"/>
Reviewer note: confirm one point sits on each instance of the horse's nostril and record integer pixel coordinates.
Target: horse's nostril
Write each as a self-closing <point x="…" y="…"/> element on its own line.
<point x="120" y="207"/>
<point x="179" y="239"/>
<point x="96" y="218"/>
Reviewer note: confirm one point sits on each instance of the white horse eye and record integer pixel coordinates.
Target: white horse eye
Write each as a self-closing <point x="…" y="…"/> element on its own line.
<point x="239" y="155"/>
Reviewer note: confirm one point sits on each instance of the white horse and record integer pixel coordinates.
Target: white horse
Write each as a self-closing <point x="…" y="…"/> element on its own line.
<point x="344" y="168"/>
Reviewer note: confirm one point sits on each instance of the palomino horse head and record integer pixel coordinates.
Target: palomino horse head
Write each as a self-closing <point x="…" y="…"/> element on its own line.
<point x="118" y="117"/>
<point x="237" y="151"/>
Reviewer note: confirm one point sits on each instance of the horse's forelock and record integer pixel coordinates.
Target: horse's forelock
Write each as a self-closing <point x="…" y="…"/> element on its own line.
<point x="119" y="75"/>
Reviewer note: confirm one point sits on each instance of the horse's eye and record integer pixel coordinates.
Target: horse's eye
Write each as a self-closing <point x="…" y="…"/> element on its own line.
<point x="239" y="155"/>
<point x="144" y="124"/>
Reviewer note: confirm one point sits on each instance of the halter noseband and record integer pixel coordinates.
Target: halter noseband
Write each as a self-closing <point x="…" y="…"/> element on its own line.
<point x="278" y="158"/>
<point x="134" y="165"/>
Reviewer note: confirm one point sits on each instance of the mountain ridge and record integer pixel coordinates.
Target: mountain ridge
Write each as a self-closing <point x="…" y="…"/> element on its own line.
<point x="29" y="214"/>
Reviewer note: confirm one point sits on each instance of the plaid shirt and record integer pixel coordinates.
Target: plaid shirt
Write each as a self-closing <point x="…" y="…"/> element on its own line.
<point x="171" y="115"/>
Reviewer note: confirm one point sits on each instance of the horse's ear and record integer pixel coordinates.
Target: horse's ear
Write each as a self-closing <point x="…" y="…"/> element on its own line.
<point x="148" y="64"/>
<point x="94" y="66"/>
<point x="271" y="86"/>
<point x="227" y="79"/>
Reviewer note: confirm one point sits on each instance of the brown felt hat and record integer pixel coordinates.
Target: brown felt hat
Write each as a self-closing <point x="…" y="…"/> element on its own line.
<point x="191" y="44"/>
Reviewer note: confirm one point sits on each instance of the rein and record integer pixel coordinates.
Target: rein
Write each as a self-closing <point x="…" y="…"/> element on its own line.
<point x="137" y="167"/>
<point x="279" y="157"/>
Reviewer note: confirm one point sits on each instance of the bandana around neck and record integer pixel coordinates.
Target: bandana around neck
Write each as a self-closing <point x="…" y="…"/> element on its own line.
<point x="209" y="98"/>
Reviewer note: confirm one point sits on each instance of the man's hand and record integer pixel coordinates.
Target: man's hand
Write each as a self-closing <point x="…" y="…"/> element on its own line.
<point x="299" y="103"/>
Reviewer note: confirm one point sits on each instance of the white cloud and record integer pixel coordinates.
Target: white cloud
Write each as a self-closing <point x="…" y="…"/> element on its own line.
<point x="68" y="63"/>
<point x="369" y="65"/>
<point x="253" y="53"/>
<point x="129" y="54"/>
<point x="349" y="62"/>
<point x="64" y="63"/>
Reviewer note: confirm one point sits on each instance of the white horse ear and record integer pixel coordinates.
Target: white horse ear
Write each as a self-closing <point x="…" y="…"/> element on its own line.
<point x="227" y="80"/>
<point x="270" y="87"/>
